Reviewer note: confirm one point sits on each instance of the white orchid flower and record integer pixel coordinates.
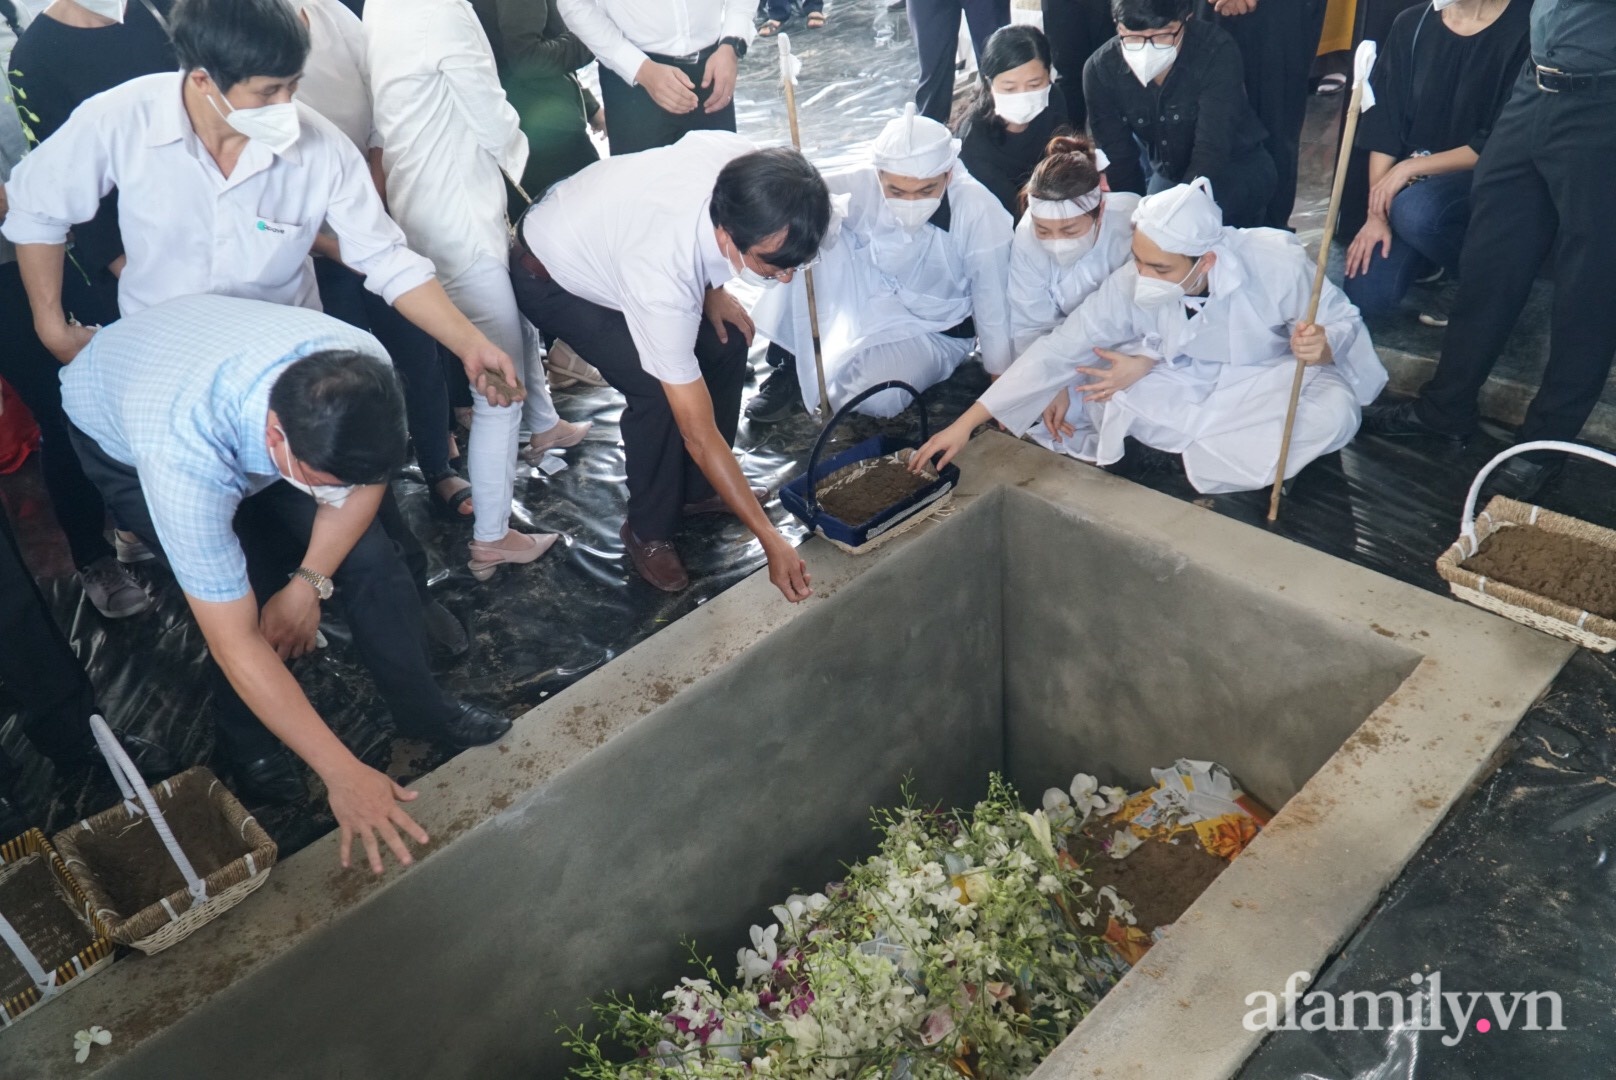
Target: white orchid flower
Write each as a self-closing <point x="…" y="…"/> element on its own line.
<point x="1119" y="907"/>
<point x="790" y="913"/>
<point x="1059" y="808"/>
<point x="1084" y="796"/>
<point x="1039" y="824"/>
<point x="84" y="1040"/>
<point x="1114" y="798"/>
<point x="1123" y="842"/>
<point x="758" y="961"/>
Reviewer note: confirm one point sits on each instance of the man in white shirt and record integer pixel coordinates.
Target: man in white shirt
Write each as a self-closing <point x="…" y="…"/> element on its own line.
<point x="667" y="67"/>
<point x="918" y="270"/>
<point x="224" y="183"/>
<point x="626" y="261"/>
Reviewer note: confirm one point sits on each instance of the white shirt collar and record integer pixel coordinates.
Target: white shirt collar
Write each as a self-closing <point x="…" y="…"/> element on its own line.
<point x="173" y="124"/>
<point x="716" y="269"/>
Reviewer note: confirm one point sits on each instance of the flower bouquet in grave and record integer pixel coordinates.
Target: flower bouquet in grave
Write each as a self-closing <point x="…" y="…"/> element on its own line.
<point x="1185" y="828"/>
<point x="968" y="946"/>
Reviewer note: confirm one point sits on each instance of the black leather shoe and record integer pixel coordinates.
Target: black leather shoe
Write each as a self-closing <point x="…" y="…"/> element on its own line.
<point x="1401" y="418"/>
<point x="469" y="725"/>
<point x="777" y="398"/>
<point x="1520" y="479"/>
<point x="444" y="633"/>
<point x="272" y="780"/>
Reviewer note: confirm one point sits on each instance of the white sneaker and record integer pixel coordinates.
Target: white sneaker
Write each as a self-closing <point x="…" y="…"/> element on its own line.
<point x="131" y="549"/>
<point x="113" y="590"/>
<point x="567" y="367"/>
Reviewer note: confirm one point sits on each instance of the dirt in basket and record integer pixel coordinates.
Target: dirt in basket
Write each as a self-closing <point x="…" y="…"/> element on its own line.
<point x="37" y="908"/>
<point x="1160" y="879"/>
<point x="860" y="499"/>
<point x="1565" y="568"/>
<point x="136" y="869"/>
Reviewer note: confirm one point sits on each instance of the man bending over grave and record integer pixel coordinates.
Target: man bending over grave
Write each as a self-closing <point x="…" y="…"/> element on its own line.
<point x="1191" y="349"/>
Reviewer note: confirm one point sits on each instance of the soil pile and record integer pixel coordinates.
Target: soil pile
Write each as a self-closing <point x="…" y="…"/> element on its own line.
<point x="1160" y="879"/>
<point x="137" y="870"/>
<point x="1564" y="568"/>
<point x="859" y="497"/>
<point x="37" y="909"/>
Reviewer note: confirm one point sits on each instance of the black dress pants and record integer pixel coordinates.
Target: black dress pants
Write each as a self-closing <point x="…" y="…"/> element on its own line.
<point x="1545" y="175"/>
<point x="36" y="375"/>
<point x="1278" y="42"/>
<point x="38" y="669"/>
<point x="935" y="26"/>
<point x="373" y="588"/>
<point x="634" y="122"/>
<point x="662" y="476"/>
<point x="1075" y="28"/>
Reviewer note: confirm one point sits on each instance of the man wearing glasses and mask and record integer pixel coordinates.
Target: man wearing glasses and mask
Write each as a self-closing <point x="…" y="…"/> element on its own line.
<point x="626" y="261"/>
<point x="1167" y="104"/>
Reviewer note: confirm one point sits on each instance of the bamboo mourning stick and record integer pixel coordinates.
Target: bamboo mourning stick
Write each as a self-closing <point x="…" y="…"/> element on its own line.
<point x="1347" y="138"/>
<point x="808" y="275"/>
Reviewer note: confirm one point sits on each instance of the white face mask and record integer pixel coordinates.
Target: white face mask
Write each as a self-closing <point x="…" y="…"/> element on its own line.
<point x="1149" y="292"/>
<point x="276" y="126"/>
<point x="1149" y="62"/>
<point x="324" y="494"/>
<point x="913" y="213"/>
<point x="1436" y="5"/>
<point x="107" y="9"/>
<point x="1066" y="250"/>
<point x="1020" y="108"/>
<point x="751" y="276"/>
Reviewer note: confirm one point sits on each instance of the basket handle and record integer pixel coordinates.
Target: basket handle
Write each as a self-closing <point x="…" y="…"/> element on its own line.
<point x="44" y="981"/>
<point x="133" y="786"/>
<point x="1467" y="523"/>
<point x="841" y="414"/>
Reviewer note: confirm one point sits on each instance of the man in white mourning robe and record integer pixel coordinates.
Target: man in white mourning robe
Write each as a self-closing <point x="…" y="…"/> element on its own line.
<point x="1191" y="349"/>
<point x="916" y="274"/>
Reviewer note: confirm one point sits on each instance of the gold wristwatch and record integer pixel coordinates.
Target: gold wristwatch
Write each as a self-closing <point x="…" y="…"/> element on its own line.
<point x="322" y="584"/>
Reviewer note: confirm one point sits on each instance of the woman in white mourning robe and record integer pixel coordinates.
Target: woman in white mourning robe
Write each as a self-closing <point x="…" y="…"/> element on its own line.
<point x="1191" y="349"/>
<point x="921" y="247"/>
<point x="1073" y="236"/>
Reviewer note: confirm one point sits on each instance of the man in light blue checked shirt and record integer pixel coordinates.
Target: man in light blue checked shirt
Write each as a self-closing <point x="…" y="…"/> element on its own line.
<point x="252" y="442"/>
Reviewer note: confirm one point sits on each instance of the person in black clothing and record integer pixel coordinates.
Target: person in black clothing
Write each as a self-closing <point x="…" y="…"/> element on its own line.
<point x="1167" y="103"/>
<point x="1278" y="41"/>
<point x="1016" y="111"/>
<point x="1440" y="83"/>
<point x="935" y="24"/>
<point x="1075" y="28"/>
<point x="67" y="54"/>
<point x="1548" y="161"/>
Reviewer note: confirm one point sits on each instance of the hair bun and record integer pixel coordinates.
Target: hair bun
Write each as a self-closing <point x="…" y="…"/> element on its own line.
<point x="1070" y="143"/>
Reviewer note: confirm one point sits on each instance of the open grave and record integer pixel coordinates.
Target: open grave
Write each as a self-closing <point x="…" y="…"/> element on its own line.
<point x="1058" y="619"/>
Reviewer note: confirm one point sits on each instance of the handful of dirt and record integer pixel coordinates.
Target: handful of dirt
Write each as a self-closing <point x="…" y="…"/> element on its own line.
<point x="33" y="902"/>
<point x="136" y="869"/>
<point x="1160" y="879"/>
<point x="1569" y="569"/>
<point x="861" y="491"/>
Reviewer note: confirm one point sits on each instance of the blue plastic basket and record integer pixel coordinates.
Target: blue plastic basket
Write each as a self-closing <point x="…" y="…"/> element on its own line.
<point x="799" y="495"/>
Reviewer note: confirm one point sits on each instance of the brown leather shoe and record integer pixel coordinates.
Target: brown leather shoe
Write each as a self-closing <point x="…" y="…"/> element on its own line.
<point x="715" y="504"/>
<point x="657" y="561"/>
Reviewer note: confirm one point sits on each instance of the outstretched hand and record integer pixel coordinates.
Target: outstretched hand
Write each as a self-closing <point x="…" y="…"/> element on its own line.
<point x="1121" y="372"/>
<point x="366" y="804"/>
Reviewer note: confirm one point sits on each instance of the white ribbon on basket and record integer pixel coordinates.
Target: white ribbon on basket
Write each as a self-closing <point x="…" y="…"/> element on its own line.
<point x="44" y="981"/>
<point x="134" y="788"/>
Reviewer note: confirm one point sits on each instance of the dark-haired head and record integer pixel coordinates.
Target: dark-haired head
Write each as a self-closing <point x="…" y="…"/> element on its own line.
<point x="343" y="415"/>
<point x="1015" y="60"/>
<point x="238" y="41"/>
<point x="773" y="206"/>
<point x="1149" y="14"/>
<point x="1067" y="172"/>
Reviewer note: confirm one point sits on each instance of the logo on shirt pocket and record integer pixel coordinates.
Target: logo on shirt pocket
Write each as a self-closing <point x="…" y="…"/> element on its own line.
<point x="271" y="227"/>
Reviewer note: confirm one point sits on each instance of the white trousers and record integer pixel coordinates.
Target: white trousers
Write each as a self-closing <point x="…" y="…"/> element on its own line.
<point x="483" y="294"/>
<point x="921" y="361"/>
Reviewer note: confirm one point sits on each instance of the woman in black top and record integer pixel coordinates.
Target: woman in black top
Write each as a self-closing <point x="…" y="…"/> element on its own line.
<point x="1440" y="82"/>
<point x="1167" y="103"/>
<point x="1016" y="111"/>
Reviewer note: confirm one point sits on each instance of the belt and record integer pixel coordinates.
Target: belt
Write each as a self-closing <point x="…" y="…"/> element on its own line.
<point x="1554" y="81"/>
<point x="688" y="59"/>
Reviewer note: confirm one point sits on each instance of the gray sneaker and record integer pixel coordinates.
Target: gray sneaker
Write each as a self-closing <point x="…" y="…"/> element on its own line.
<point x="113" y="590"/>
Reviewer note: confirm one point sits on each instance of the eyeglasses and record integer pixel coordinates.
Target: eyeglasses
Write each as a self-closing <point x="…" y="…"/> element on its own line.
<point x="1135" y="42"/>
<point x="780" y="275"/>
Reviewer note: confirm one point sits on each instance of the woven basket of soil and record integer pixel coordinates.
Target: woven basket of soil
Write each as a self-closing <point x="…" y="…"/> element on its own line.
<point x="1551" y="572"/>
<point x="864" y="495"/>
<point x="168" y="859"/>
<point x="50" y="939"/>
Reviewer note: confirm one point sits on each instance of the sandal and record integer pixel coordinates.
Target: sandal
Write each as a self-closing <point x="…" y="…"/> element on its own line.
<point x="816" y="20"/>
<point x="452" y="507"/>
<point x="769" y="28"/>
